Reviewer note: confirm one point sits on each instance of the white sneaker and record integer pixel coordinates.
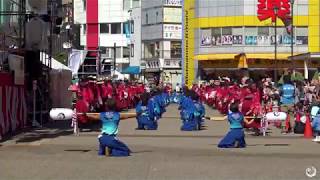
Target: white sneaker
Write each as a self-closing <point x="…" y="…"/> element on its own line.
<point x="317" y="139"/>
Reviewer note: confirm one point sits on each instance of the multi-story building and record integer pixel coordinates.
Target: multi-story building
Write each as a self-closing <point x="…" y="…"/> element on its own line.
<point x="224" y="36"/>
<point x="113" y="28"/>
<point x="135" y="37"/>
<point x="162" y="39"/>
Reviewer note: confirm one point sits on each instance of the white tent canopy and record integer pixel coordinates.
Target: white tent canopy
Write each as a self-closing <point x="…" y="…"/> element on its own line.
<point x="56" y="65"/>
<point x="61" y="77"/>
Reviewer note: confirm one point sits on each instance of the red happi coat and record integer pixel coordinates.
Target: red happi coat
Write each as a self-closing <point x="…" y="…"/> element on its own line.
<point x="222" y="99"/>
<point x="82" y="106"/>
<point x="131" y="95"/>
<point x="121" y="97"/>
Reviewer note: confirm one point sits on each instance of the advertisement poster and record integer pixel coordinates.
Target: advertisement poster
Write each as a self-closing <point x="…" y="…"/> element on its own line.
<point x="251" y="40"/>
<point x="237" y="40"/>
<point x="227" y="40"/>
<point x="279" y="39"/>
<point x="216" y="40"/>
<point x="264" y="40"/>
<point x="206" y="41"/>
<point x="302" y="40"/>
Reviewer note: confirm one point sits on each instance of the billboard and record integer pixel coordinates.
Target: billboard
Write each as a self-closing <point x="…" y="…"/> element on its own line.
<point x="172" y="31"/>
<point x="172" y="15"/>
<point x="173" y="2"/>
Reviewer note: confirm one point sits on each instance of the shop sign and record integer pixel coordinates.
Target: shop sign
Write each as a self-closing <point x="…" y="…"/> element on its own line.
<point x="266" y="9"/>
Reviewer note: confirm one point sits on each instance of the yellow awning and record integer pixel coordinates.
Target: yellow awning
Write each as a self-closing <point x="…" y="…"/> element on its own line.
<point x="212" y="57"/>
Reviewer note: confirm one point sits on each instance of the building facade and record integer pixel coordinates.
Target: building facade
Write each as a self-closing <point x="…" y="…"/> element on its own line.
<point x="135" y="37"/>
<point x="223" y="36"/>
<point x="162" y="40"/>
<point x="109" y="28"/>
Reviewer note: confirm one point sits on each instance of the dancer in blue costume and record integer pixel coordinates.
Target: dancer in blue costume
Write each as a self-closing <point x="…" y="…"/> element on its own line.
<point x="188" y="109"/>
<point x="108" y="138"/>
<point x="235" y="136"/>
<point x="162" y="101"/>
<point x="154" y="104"/>
<point x="145" y="114"/>
<point x="199" y="112"/>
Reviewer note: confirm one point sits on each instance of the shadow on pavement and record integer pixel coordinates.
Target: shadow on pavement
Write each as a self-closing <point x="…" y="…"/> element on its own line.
<point x="78" y="150"/>
<point x="50" y="130"/>
<point x="141" y="152"/>
<point x="277" y="145"/>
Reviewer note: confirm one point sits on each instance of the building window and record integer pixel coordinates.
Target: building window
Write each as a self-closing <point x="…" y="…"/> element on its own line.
<point x="104" y="28"/>
<point x="147" y="19"/>
<point x="116" y="28"/>
<point x="263" y="31"/>
<point x="84" y="26"/>
<point x="132" y="27"/>
<point x="216" y="37"/>
<point x="149" y="50"/>
<point x="126" y="52"/>
<point x="251" y="35"/>
<point x="132" y="50"/>
<point x="84" y="4"/>
<point x="302" y="36"/>
<point x="118" y="52"/>
<point x="176" y="49"/>
<point x="126" y="28"/>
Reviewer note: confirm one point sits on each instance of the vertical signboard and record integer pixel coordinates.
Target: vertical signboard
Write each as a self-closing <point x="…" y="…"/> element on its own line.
<point x="92" y="24"/>
<point x="188" y="40"/>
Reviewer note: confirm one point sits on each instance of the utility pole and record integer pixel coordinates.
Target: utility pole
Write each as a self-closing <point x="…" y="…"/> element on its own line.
<point x="114" y="58"/>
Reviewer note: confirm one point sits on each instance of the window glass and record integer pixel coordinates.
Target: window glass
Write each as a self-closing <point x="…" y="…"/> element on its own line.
<point x="216" y="36"/>
<point x="84" y="29"/>
<point x="126" y="52"/>
<point x="263" y="31"/>
<point x="176" y="49"/>
<point x="104" y="28"/>
<point x="116" y="28"/>
<point x="132" y="50"/>
<point x="227" y="31"/>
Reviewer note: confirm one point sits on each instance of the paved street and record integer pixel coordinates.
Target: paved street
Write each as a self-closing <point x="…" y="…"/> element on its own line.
<point x="164" y="154"/>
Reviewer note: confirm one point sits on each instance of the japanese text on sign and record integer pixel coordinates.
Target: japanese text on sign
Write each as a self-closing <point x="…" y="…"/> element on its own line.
<point x="266" y="9"/>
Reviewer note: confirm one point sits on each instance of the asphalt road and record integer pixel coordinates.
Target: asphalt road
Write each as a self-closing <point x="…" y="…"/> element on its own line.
<point x="168" y="153"/>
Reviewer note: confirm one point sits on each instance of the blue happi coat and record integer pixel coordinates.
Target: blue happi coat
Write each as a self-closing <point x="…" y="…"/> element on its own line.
<point x="146" y="117"/>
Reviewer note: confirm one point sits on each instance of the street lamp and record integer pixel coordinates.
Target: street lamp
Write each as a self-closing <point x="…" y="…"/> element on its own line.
<point x="275" y="9"/>
<point x="292" y="36"/>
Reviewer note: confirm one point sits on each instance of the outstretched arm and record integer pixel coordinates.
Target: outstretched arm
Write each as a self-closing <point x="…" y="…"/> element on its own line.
<point x="93" y="116"/>
<point x="124" y="116"/>
<point x="96" y="116"/>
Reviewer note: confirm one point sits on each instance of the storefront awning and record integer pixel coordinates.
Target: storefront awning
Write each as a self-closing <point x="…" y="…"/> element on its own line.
<point x="305" y="56"/>
<point x="212" y="57"/>
<point x="132" y="70"/>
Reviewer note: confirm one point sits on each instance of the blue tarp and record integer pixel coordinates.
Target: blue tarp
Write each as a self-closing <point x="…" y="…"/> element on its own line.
<point x="131" y="70"/>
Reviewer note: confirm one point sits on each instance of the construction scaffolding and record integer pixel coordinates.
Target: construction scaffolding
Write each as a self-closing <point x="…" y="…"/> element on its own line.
<point x="14" y="14"/>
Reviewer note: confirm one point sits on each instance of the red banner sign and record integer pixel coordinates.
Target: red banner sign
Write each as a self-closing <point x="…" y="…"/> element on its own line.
<point x="13" y="108"/>
<point x="266" y="9"/>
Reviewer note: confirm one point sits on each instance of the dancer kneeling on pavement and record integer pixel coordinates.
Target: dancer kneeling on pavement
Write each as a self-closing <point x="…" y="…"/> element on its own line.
<point x="108" y="137"/>
<point x="199" y="110"/>
<point x="145" y="114"/>
<point x="235" y="137"/>
<point x="188" y="113"/>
